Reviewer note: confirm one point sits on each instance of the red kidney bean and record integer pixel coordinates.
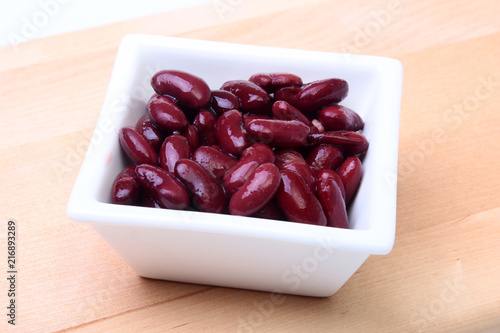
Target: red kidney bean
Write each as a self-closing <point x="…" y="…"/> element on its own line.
<point x="137" y="147"/>
<point x="285" y="111"/>
<point x="204" y="122"/>
<point x="235" y="177"/>
<point x="163" y="187"/>
<point x="166" y="115"/>
<point x="352" y="143"/>
<point x="350" y="174"/>
<point x="223" y="100"/>
<point x="270" y="82"/>
<point x="189" y="89"/>
<point x="257" y="191"/>
<point x="338" y="117"/>
<point x="125" y="189"/>
<point x="325" y="156"/>
<point x="330" y="197"/>
<point x="247" y="118"/>
<point x="304" y="170"/>
<point x="174" y="148"/>
<point x="214" y="160"/>
<point x="208" y="195"/>
<point x="287" y="94"/>
<point x="327" y="173"/>
<point x="315" y="95"/>
<point x="297" y="201"/>
<point x="252" y="97"/>
<point x="230" y="133"/>
<point x="149" y="131"/>
<point x="287" y="156"/>
<point x="146" y="200"/>
<point x="270" y="211"/>
<point x="191" y="134"/>
<point x="279" y="133"/>
<point x="259" y="152"/>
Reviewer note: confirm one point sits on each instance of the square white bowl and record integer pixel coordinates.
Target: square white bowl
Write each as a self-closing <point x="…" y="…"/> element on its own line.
<point x="231" y="251"/>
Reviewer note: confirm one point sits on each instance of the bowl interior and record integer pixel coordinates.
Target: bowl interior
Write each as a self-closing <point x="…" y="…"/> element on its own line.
<point x="374" y="92"/>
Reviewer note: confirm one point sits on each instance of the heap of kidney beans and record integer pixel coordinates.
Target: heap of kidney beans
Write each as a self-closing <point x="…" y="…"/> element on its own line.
<point x="269" y="147"/>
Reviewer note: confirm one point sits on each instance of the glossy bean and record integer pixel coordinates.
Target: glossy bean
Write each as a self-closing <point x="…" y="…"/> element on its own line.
<point x="259" y="152"/>
<point x="174" y="148"/>
<point x="285" y="111"/>
<point x="257" y="191"/>
<point x="235" y="177"/>
<point x="163" y="187"/>
<point x="328" y="173"/>
<point x="305" y="171"/>
<point x="190" y="90"/>
<point x="214" y="160"/>
<point x="287" y="94"/>
<point x="150" y="132"/>
<point x="252" y="97"/>
<point x="204" y="123"/>
<point x="230" y="133"/>
<point x="325" y="156"/>
<point x="318" y="94"/>
<point x="287" y="156"/>
<point x="166" y="115"/>
<point x="208" y="195"/>
<point x="297" y="201"/>
<point x="338" y="117"/>
<point x="279" y="133"/>
<point x="270" y="211"/>
<point x="270" y="82"/>
<point x="137" y="147"/>
<point x="125" y="189"/>
<point x="352" y="143"/>
<point x="191" y="135"/>
<point x="247" y="118"/>
<point x="330" y="197"/>
<point x="350" y="174"/>
<point x="223" y="100"/>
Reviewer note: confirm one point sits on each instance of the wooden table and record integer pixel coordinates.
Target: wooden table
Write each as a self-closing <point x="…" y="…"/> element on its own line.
<point x="444" y="271"/>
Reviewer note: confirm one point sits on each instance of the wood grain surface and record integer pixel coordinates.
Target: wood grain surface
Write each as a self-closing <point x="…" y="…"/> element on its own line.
<point x="443" y="273"/>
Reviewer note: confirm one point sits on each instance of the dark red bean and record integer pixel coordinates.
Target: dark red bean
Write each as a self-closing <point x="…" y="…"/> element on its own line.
<point x="191" y="134"/>
<point x="125" y="189"/>
<point x="257" y="191"/>
<point x="325" y="156"/>
<point x="315" y="95"/>
<point x="137" y="147"/>
<point x="214" y="160"/>
<point x="279" y="133"/>
<point x="146" y="200"/>
<point x="287" y="94"/>
<point x="259" y="152"/>
<point x="270" y="211"/>
<point x="174" y="148"/>
<point x="253" y="98"/>
<point x="235" y="177"/>
<point x="330" y="197"/>
<point x="163" y="187"/>
<point x="287" y="156"/>
<point x="247" y="118"/>
<point x="166" y="115"/>
<point x="338" y="117"/>
<point x="352" y="143"/>
<point x="188" y="89"/>
<point x="285" y="111"/>
<point x="150" y="132"/>
<point x="230" y="133"/>
<point x="297" y="201"/>
<point x="327" y="173"/>
<point x="350" y="174"/>
<point x="208" y="195"/>
<point x="270" y="82"/>
<point x="223" y="100"/>
<point x="304" y="170"/>
<point x="204" y="122"/>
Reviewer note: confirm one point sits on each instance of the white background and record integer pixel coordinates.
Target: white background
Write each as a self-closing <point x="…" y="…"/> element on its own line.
<point x="31" y="19"/>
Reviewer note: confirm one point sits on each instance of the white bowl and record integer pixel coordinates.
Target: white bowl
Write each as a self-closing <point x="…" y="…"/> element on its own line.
<point x="243" y="252"/>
